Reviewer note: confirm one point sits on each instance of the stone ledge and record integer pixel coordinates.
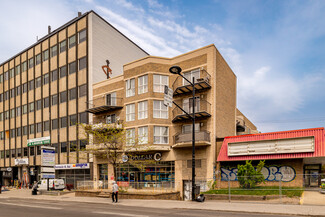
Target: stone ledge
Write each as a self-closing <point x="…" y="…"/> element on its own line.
<point x="241" y="197"/>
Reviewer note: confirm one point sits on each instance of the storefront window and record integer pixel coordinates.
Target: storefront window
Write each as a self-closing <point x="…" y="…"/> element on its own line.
<point x="103" y="172"/>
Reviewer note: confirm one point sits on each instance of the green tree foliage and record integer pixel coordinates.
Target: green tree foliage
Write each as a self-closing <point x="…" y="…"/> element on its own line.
<point x="248" y="176"/>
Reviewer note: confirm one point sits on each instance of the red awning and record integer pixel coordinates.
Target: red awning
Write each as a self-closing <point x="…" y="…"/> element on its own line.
<point x="317" y="133"/>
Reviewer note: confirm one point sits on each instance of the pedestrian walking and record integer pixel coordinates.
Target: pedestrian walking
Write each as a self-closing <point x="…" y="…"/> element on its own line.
<point x="115" y="192"/>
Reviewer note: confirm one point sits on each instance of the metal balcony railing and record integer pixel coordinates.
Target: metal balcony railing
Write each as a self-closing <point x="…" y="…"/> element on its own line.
<point x="104" y="104"/>
<point x="202" y="83"/>
<point x="202" y="136"/>
<point x="202" y="110"/>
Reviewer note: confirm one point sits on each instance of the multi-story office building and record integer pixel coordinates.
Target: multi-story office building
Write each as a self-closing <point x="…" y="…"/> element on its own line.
<point x="45" y="91"/>
<point x="136" y="98"/>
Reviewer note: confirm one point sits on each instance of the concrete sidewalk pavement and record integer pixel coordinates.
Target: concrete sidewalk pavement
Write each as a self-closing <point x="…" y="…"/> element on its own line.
<point x="247" y="207"/>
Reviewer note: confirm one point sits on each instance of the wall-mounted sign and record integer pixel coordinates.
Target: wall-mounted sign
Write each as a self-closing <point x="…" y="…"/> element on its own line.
<point x="143" y="157"/>
<point x="47" y="170"/>
<point x="9" y="169"/>
<point x="39" y="141"/>
<point x="71" y="166"/>
<point x="48" y="176"/>
<point x="168" y="96"/>
<point x="48" y="157"/>
<point x="23" y="161"/>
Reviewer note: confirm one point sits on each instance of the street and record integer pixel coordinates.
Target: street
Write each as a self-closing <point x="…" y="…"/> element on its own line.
<point x="35" y="208"/>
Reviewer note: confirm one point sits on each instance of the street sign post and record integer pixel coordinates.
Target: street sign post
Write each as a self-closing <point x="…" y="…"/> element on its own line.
<point x="47" y="163"/>
<point x="168" y="97"/>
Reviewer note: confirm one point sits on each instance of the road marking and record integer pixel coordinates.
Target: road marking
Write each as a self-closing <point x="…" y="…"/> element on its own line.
<point x="31" y="206"/>
<point x="121" y="214"/>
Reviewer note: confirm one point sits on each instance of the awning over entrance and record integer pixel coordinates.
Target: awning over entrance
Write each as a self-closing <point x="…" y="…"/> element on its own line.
<point x="303" y="143"/>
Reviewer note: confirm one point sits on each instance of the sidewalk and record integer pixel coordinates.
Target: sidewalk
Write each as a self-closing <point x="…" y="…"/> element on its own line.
<point x="248" y="207"/>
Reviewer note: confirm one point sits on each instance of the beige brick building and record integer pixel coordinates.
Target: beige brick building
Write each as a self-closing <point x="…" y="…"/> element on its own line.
<point x="136" y="97"/>
<point x="46" y="89"/>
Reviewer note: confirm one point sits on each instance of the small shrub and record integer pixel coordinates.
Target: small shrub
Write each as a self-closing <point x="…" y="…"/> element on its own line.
<point x="248" y="176"/>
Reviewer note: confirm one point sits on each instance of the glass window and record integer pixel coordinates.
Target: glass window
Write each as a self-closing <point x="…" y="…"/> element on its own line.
<point x="54" y="51"/>
<point x="24" y="66"/>
<point x="63" y="122"/>
<point x="159" y="82"/>
<point x="63" y="71"/>
<point x="31" y="129"/>
<point x="143" y="110"/>
<point x="30" y="63"/>
<point x="31" y="107"/>
<point x="63" y="147"/>
<point x="2" y="154"/>
<point x="18" y="152"/>
<point x="110" y="119"/>
<point x="82" y="63"/>
<point x="63" y="96"/>
<point x="160" y="135"/>
<point x="83" y="118"/>
<point x="187" y="128"/>
<point x="46" y="102"/>
<point x="25" y="109"/>
<point x="25" y="151"/>
<point x="12" y="93"/>
<point x="6" y="95"/>
<point x="73" y="120"/>
<point x="18" y="70"/>
<point x="188" y="104"/>
<point x="143" y="135"/>
<point x="18" y="90"/>
<point x="1" y="78"/>
<point x="111" y="99"/>
<point x="46" y="125"/>
<point x="31" y="85"/>
<point x="73" y="146"/>
<point x="130" y="112"/>
<point x="55" y="124"/>
<point x="38" y="59"/>
<point x="2" y="135"/>
<point x="18" y="111"/>
<point x="130" y="87"/>
<point x="12" y="73"/>
<point x="83" y="90"/>
<point x="72" y="41"/>
<point x="38" y="127"/>
<point x="54" y="75"/>
<point x="12" y="113"/>
<point x="38" y="150"/>
<point x="190" y="75"/>
<point x="38" y="104"/>
<point x="72" y="67"/>
<point x="25" y="88"/>
<point x="56" y="146"/>
<point x="63" y="46"/>
<point x="1" y="116"/>
<point x="82" y="144"/>
<point x="38" y="82"/>
<point x="54" y="99"/>
<point x="1" y="97"/>
<point x="7" y="153"/>
<point x="32" y="151"/>
<point x="6" y="75"/>
<point x="46" y="78"/>
<point x="45" y="55"/>
<point x="82" y="36"/>
<point x="143" y="84"/>
<point x="13" y="153"/>
<point x="18" y="131"/>
<point x="159" y="109"/>
<point x="25" y="130"/>
<point x="130" y="136"/>
<point x="73" y="93"/>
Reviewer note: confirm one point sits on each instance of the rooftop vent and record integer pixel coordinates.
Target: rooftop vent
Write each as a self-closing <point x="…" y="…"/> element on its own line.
<point x="79" y="14"/>
<point x="49" y="29"/>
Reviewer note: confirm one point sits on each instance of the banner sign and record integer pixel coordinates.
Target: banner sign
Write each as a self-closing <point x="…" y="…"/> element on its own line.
<point x="168" y="97"/>
<point x="48" y="176"/>
<point x="71" y="166"/>
<point x="47" y="170"/>
<point x="142" y="157"/>
<point x="23" y="161"/>
<point x="39" y="141"/>
<point x="48" y="157"/>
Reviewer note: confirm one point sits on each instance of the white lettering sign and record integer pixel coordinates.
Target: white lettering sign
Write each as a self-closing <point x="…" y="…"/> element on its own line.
<point x="23" y="161"/>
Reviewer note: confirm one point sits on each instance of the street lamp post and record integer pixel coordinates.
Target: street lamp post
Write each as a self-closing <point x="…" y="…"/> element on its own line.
<point x="177" y="70"/>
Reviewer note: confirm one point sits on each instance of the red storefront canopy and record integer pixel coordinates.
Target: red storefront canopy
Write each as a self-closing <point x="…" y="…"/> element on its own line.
<point x="317" y="133"/>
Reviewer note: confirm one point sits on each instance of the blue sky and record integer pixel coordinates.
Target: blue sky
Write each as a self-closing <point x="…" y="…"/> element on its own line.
<point x="276" y="48"/>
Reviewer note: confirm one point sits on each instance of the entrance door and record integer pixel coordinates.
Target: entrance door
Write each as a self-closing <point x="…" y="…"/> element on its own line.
<point x="313" y="178"/>
<point x="187" y="186"/>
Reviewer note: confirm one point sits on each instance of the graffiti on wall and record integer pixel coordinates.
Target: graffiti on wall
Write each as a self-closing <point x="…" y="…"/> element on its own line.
<point x="271" y="173"/>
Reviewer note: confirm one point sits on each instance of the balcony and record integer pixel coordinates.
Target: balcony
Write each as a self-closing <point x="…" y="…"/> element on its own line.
<point x="105" y="104"/>
<point x="181" y="140"/>
<point x="202" y="111"/>
<point x="202" y="83"/>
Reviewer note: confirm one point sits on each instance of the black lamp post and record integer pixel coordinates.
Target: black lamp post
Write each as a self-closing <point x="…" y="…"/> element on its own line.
<point x="177" y="70"/>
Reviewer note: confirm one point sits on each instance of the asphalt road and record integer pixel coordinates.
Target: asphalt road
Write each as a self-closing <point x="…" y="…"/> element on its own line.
<point x="37" y="208"/>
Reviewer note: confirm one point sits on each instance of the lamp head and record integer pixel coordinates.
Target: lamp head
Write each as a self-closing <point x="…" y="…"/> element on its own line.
<point x="175" y="70"/>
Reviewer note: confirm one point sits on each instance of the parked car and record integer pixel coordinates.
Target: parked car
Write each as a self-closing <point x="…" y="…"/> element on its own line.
<point x="54" y="184"/>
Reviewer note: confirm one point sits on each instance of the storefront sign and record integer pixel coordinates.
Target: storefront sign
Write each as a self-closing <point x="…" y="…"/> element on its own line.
<point x="39" y="141"/>
<point x="9" y="169"/>
<point x="3" y="169"/>
<point x="142" y="157"/>
<point x="48" y="157"/>
<point x="48" y="176"/>
<point x="47" y="170"/>
<point x="71" y="166"/>
<point x="23" y="161"/>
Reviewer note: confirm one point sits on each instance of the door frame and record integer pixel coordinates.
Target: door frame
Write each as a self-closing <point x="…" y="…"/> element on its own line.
<point x="319" y="168"/>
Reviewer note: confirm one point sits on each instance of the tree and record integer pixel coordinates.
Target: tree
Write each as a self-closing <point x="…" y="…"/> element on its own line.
<point x="111" y="142"/>
<point x="248" y="176"/>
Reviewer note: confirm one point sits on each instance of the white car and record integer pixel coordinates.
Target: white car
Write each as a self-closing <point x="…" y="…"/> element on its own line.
<point x="54" y="184"/>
